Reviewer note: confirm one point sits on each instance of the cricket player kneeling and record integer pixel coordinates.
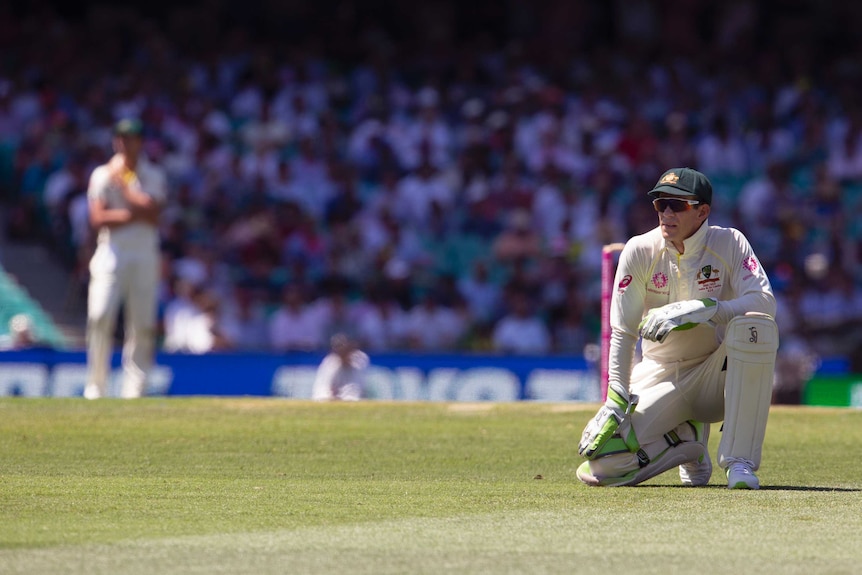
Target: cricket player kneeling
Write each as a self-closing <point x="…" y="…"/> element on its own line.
<point x="616" y="458"/>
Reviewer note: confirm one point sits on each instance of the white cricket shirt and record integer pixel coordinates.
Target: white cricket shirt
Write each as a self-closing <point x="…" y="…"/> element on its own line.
<point x="718" y="263"/>
<point x="151" y="180"/>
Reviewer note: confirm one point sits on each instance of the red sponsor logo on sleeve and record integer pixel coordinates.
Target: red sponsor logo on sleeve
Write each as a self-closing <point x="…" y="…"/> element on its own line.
<point x="624" y="283"/>
<point x="750" y="263"/>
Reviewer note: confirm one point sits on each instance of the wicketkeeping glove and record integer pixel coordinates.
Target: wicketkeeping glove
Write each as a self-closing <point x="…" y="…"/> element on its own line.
<point x="614" y="417"/>
<point x="679" y="315"/>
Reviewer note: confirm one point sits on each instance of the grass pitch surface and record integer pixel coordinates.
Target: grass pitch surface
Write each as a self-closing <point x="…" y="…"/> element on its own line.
<point x="215" y="485"/>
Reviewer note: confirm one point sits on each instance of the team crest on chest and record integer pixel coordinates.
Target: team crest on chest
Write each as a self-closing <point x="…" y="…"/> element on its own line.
<point x="708" y="278"/>
<point x="659" y="279"/>
<point x="708" y="274"/>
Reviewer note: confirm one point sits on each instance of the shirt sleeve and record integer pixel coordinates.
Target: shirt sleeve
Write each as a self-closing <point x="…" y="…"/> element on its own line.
<point x="98" y="184"/>
<point x="627" y="307"/>
<point x="155" y="184"/>
<point x="751" y="287"/>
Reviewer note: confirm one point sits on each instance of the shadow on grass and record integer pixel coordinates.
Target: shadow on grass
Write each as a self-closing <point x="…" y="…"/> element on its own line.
<point x="807" y="488"/>
<point x="813" y="488"/>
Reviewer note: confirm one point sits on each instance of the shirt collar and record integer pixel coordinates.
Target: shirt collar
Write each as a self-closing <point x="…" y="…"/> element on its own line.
<point x="695" y="242"/>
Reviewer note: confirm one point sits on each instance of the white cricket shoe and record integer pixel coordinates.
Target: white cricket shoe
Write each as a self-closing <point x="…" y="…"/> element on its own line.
<point x="741" y="476"/>
<point x="697" y="473"/>
<point x="93" y="391"/>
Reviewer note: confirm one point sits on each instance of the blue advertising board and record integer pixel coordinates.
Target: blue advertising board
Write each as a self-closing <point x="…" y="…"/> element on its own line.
<point x="408" y="377"/>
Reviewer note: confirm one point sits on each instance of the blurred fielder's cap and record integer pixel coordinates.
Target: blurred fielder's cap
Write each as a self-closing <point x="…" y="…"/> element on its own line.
<point x="128" y="127"/>
<point x="684" y="182"/>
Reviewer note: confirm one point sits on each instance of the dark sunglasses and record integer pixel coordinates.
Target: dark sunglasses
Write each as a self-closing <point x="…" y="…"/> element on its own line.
<point x="675" y="204"/>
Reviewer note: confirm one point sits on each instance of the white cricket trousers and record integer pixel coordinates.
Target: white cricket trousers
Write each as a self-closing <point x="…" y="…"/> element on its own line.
<point x="673" y="393"/>
<point x="129" y="277"/>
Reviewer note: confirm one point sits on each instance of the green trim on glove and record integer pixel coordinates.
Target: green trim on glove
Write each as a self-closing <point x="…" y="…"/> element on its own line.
<point x="612" y="424"/>
<point x="679" y="315"/>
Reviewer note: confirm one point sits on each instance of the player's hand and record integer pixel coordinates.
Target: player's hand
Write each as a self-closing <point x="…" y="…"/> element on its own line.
<point x="679" y="315"/>
<point x="614" y="417"/>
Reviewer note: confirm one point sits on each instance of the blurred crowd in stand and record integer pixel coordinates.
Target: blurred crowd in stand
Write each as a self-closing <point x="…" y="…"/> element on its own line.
<point x="441" y="177"/>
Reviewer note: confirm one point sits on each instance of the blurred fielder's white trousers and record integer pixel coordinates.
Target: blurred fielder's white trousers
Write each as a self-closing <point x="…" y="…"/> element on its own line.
<point x="129" y="277"/>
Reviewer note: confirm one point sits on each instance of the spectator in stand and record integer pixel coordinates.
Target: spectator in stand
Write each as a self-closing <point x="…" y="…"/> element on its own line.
<point x="417" y="190"/>
<point x="66" y="179"/>
<point x="519" y="240"/>
<point x="296" y="325"/>
<point x="198" y="328"/>
<point x="551" y="152"/>
<point x="243" y="320"/>
<point x="312" y="175"/>
<point x="481" y="294"/>
<point x="381" y="323"/>
<point x="482" y="211"/>
<point x="432" y="326"/>
<point x="844" y="162"/>
<point x="427" y="138"/>
<point x="511" y="186"/>
<point x="179" y="307"/>
<point x="266" y="133"/>
<point x="638" y="141"/>
<point x="521" y="331"/>
<point x="721" y="152"/>
<point x="548" y="208"/>
<point x="675" y="147"/>
<point x="22" y="334"/>
<point x="282" y="187"/>
<point x="767" y="141"/>
<point x="570" y="329"/>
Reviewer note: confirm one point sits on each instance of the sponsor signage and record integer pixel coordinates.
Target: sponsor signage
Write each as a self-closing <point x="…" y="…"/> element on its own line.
<point x="834" y="390"/>
<point x="38" y="373"/>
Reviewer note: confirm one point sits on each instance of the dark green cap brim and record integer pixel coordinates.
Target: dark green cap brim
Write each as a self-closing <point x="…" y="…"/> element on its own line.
<point x="668" y="189"/>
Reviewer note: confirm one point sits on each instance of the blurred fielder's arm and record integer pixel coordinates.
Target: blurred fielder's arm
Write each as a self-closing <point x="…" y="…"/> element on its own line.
<point x="103" y="216"/>
<point x="142" y="205"/>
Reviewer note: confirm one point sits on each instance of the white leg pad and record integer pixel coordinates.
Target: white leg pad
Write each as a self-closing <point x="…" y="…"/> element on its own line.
<point x="621" y="469"/>
<point x="751" y="342"/>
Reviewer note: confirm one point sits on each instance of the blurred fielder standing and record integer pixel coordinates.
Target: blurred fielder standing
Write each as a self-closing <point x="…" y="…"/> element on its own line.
<point x="341" y="374"/>
<point x="125" y="199"/>
<point x="704" y="307"/>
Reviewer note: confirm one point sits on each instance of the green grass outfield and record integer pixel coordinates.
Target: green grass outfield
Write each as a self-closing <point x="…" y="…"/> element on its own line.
<point x="249" y="485"/>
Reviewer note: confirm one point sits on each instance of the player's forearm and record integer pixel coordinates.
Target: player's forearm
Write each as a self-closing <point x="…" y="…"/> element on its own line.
<point x="137" y="199"/>
<point x="621" y="357"/>
<point x="110" y="218"/>
<point x="763" y="302"/>
<point x="148" y="213"/>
